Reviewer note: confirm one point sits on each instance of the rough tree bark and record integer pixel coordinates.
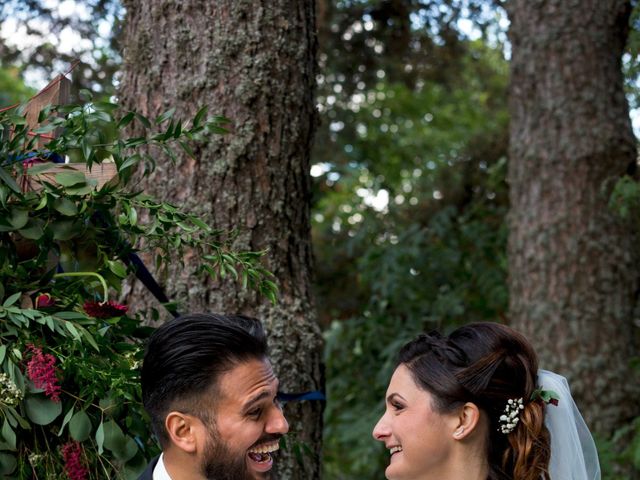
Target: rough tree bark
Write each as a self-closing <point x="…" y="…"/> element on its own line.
<point x="573" y="265"/>
<point x="253" y="62"/>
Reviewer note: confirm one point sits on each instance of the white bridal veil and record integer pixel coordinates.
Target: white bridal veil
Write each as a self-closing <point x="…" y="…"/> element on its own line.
<point x="573" y="451"/>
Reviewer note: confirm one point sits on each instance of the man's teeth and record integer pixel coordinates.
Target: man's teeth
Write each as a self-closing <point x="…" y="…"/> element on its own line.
<point x="395" y="449"/>
<point x="266" y="448"/>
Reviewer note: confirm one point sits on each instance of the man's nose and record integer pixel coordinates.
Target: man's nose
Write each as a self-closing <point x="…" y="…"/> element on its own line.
<point x="277" y="423"/>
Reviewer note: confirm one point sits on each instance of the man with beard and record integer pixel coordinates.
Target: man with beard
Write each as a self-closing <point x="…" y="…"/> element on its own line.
<point x="212" y="397"/>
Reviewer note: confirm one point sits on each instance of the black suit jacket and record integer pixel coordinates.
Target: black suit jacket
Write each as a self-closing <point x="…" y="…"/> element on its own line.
<point x="148" y="472"/>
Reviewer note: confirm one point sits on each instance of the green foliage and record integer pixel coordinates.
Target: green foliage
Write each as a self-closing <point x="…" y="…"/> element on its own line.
<point x="410" y="233"/>
<point x="68" y="357"/>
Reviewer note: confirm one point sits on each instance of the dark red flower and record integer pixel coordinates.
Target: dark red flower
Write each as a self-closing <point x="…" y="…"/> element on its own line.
<point x="108" y="309"/>
<point x="44" y="300"/>
<point x="72" y="455"/>
<point x="554" y="401"/>
<point x="41" y="371"/>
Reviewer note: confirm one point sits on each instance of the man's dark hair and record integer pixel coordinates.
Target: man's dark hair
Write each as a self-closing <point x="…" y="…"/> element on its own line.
<point x="186" y="356"/>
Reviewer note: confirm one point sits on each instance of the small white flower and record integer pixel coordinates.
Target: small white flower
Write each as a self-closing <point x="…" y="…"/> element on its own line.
<point x="510" y="418"/>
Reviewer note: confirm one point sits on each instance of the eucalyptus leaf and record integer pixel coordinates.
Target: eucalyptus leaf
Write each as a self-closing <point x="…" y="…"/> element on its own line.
<point x="80" y="426"/>
<point x="65" y="420"/>
<point x="8" y="435"/>
<point x="100" y="438"/>
<point x="42" y="411"/>
<point x="8" y="463"/>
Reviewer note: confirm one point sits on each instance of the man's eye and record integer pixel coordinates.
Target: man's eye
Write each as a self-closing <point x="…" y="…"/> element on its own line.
<point x="255" y="413"/>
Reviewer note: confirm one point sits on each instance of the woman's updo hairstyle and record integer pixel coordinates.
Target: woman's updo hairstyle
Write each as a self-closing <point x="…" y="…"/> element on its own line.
<point x="487" y="364"/>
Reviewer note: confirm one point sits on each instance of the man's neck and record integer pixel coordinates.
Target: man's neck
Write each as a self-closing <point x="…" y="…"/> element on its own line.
<point x="181" y="466"/>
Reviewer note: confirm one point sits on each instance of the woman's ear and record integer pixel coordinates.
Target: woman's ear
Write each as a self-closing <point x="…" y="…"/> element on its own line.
<point x="181" y="429"/>
<point x="468" y="419"/>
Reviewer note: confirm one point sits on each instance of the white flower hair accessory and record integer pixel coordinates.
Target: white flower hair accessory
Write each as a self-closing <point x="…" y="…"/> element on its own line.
<point x="511" y="416"/>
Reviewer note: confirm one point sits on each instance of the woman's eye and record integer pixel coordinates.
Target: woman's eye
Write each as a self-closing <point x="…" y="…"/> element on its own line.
<point x="397" y="406"/>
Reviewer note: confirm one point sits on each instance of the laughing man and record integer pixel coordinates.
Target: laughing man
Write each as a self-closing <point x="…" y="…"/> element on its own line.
<point x="211" y="393"/>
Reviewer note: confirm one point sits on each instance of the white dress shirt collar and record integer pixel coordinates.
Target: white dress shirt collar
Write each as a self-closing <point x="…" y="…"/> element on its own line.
<point x="160" y="472"/>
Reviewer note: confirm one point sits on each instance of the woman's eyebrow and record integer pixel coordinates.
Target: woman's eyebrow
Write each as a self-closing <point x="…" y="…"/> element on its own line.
<point x="393" y="395"/>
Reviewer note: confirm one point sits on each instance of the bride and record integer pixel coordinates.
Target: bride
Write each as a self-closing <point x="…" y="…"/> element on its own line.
<point x="474" y="406"/>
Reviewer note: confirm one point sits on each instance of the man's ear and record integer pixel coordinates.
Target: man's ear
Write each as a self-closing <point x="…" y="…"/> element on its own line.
<point x="467" y="419"/>
<point x="181" y="429"/>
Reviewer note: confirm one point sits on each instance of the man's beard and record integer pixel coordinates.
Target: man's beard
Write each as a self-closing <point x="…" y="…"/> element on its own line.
<point x="220" y="463"/>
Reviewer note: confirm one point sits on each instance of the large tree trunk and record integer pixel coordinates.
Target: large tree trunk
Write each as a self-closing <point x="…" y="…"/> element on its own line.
<point x="573" y="265"/>
<point x="253" y="62"/>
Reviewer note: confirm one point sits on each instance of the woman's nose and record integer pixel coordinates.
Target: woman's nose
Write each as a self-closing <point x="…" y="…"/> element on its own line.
<point x="381" y="430"/>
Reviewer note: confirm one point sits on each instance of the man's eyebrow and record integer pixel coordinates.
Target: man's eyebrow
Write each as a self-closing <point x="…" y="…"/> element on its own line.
<point x="258" y="397"/>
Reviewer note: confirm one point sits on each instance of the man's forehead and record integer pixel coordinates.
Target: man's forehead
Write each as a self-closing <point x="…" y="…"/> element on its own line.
<point x="247" y="379"/>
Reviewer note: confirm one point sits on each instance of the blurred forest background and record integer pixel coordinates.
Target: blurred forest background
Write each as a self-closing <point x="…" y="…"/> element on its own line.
<point x="409" y="194"/>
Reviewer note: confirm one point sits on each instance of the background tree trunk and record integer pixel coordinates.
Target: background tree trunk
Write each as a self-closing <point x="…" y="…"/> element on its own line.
<point x="573" y="264"/>
<point x="253" y="62"/>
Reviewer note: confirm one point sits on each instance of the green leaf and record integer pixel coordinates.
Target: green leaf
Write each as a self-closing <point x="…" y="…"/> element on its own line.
<point x="89" y="337"/>
<point x="9" y="180"/>
<point x="42" y="411"/>
<point x="132" y="160"/>
<point x="4" y="195"/>
<point x="100" y="438"/>
<point x="68" y="179"/>
<point x="42" y="129"/>
<point x="165" y="116"/>
<point x="126" y="120"/>
<point x="19" y="218"/>
<point x="85" y="95"/>
<point x="8" y="463"/>
<point x="12" y="299"/>
<point x="8" y="435"/>
<point x="65" y="206"/>
<point x="70" y="315"/>
<point x="143" y="120"/>
<point x="199" y="116"/>
<point x="118" y="268"/>
<point x="65" y="229"/>
<point x="72" y="329"/>
<point x="123" y="447"/>
<point x="21" y="421"/>
<point x="17" y="119"/>
<point x="33" y="229"/>
<point x="87" y="149"/>
<point x="187" y="149"/>
<point x="80" y="426"/>
<point x="82" y="189"/>
<point x="40" y="168"/>
<point x="3" y="352"/>
<point x="65" y="420"/>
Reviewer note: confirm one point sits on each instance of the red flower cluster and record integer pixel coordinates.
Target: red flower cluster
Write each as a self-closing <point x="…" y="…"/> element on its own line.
<point x="108" y="309"/>
<point x="72" y="455"/>
<point x="42" y="372"/>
